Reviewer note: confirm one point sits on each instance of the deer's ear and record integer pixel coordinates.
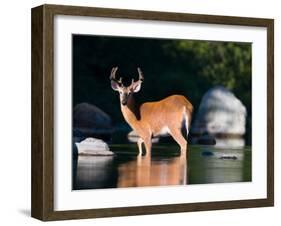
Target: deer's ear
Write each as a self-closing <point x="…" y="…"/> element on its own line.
<point x="136" y="87"/>
<point x="114" y="85"/>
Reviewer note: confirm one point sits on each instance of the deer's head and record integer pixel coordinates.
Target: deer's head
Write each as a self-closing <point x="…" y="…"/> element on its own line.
<point x="125" y="91"/>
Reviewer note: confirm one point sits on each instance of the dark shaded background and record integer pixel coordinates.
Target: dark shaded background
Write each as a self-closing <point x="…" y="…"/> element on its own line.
<point x="170" y="67"/>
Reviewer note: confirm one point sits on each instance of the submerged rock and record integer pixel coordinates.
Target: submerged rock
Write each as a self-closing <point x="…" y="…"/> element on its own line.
<point x="207" y="153"/>
<point x="93" y="146"/>
<point x="230" y="157"/>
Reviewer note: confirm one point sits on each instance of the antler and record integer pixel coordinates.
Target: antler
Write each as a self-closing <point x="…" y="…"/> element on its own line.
<point x="139" y="81"/>
<point x="141" y="78"/>
<point x="112" y="76"/>
<point x="113" y="72"/>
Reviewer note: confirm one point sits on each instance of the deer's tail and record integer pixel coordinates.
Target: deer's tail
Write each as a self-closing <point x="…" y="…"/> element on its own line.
<point x="188" y="116"/>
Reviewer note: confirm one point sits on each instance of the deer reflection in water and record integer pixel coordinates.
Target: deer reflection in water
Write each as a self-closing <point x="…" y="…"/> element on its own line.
<point x="153" y="172"/>
<point x="165" y="167"/>
<point x="119" y="171"/>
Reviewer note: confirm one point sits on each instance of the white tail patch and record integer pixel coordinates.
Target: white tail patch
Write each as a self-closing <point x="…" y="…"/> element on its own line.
<point x="186" y="121"/>
<point x="164" y="131"/>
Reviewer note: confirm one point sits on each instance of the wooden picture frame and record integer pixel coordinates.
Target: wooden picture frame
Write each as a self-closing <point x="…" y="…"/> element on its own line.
<point x="43" y="107"/>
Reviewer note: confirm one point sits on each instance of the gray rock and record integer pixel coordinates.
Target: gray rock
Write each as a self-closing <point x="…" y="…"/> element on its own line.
<point x="93" y="146"/>
<point x="89" y="120"/>
<point x="220" y="112"/>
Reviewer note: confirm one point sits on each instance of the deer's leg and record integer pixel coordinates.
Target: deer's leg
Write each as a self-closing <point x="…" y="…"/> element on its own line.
<point x="140" y="141"/>
<point x="147" y="144"/>
<point x="178" y="137"/>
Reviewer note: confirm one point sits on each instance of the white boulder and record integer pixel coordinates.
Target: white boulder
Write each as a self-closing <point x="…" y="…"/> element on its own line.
<point x="93" y="146"/>
<point x="220" y="112"/>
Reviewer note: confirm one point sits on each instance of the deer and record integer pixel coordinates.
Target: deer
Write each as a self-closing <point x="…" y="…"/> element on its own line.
<point x="152" y="119"/>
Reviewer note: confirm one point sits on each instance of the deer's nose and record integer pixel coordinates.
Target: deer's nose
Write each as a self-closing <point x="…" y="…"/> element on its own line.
<point x="124" y="102"/>
<point x="124" y="99"/>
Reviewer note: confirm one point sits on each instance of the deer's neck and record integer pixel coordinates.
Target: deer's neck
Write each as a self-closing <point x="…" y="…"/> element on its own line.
<point x="131" y="112"/>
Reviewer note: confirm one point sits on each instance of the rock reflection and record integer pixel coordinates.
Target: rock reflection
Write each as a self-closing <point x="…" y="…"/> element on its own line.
<point x="94" y="172"/>
<point x="153" y="172"/>
<point x="230" y="143"/>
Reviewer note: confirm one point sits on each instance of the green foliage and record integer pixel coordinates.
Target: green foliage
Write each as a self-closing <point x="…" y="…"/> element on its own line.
<point x="218" y="63"/>
<point x="170" y="67"/>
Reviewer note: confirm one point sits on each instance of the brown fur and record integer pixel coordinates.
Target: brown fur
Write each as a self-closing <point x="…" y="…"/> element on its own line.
<point x="154" y="116"/>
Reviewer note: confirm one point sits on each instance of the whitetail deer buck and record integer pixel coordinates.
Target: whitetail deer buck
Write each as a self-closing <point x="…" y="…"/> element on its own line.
<point x="153" y="118"/>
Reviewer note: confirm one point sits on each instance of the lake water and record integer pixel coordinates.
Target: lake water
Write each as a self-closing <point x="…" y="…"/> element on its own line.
<point x="203" y="165"/>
